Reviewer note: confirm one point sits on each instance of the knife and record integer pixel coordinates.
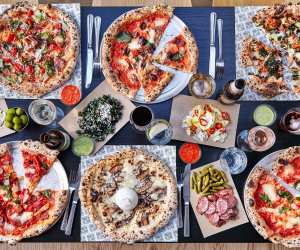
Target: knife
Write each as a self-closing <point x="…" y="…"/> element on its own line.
<point x="89" y="55"/>
<point x="212" y="47"/>
<point x="186" y="199"/>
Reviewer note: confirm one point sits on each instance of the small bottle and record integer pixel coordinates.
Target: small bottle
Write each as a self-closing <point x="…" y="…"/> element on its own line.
<point x="232" y="91"/>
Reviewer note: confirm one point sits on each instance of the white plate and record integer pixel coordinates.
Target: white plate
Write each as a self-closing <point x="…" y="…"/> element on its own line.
<point x="55" y="179"/>
<point x="180" y="79"/>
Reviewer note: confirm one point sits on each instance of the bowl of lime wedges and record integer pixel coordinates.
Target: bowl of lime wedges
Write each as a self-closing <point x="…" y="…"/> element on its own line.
<point x="16" y="119"/>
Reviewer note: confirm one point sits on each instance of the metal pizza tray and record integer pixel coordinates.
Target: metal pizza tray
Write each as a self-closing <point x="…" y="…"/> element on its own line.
<point x="180" y="79"/>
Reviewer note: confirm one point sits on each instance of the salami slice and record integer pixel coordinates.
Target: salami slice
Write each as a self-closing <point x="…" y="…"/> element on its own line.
<point x="232" y="212"/>
<point x="214" y="218"/>
<point x="224" y="192"/>
<point x="212" y="197"/>
<point x="211" y="208"/>
<point x="225" y="216"/>
<point x="232" y="201"/>
<point x="202" y="205"/>
<point x="221" y="205"/>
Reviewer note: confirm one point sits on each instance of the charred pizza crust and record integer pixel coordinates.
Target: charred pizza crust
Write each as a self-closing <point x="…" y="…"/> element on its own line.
<point x="35" y="147"/>
<point x="91" y="183"/>
<point x="109" y="37"/>
<point x="70" y="54"/>
<point x="192" y="53"/>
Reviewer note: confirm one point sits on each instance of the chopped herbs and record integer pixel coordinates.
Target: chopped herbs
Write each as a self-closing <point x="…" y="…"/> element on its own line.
<point x="283" y="210"/>
<point x="50" y="67"/>
<point x="124" y="37"/>
<point x="99" y="117"/>
<point x="17" y="201"/>
<point x="44" y="165"/>
<point x="263" y="52"/>
<point x="14" y="24"/>
<point x="285" y="194"/>
<point x="47" y="193"/>
<point x="176" y="57"/>
<point x="266" y="199"/>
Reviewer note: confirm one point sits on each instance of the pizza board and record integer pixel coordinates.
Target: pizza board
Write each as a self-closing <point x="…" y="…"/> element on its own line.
<point x="3" y="129"/>
<point x="180" y="79"/>
<point x="183" y="104"/>
<point x="208" y="229"/>
<point x="55" y="179"/>
<point x="70" y="121"/>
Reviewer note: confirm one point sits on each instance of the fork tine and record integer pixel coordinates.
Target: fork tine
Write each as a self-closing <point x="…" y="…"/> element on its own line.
<point x="72" y="175"/>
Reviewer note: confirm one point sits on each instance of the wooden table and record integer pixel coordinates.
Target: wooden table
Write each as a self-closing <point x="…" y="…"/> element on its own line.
<point x="149" y="246"/>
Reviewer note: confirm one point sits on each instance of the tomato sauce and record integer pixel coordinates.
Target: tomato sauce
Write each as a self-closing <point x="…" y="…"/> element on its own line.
<point x="190" y="153"/>
<point x="70" y="95"/>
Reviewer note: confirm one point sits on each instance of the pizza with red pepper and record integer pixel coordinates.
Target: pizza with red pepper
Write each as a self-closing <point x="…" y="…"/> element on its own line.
<point x="23" y="213"/>
<point x="273" y="211"/>
<point x="128" y="47"/>
<point x="37" y="160"/>
<point x="180" y="53"/>
<point x="39" y="45"/>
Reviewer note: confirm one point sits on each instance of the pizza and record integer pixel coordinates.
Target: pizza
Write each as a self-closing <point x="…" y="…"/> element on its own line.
<point x="129" y="195"/>
<point x="39" y="45"/>
<point x="273" y="211"/>
<point x="128" y="48"/>
<point x="37" y="160"/>
<point x="154" y="80"/>
<point x="180" y="53"/>
<point x="23" y="213"/>
<point x="281" y="24"/>
<point x="268" y="79"/>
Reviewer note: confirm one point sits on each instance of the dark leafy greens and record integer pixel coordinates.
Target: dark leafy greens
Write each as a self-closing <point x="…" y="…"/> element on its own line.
<point x="99" y="117"/>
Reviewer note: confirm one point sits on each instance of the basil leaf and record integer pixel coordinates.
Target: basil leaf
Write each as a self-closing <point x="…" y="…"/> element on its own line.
<point x="176" y="57"/>
<point x="47" y="193"/>
<point x="124" y="37"/>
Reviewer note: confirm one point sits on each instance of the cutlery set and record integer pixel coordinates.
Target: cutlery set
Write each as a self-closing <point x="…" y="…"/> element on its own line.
<point x="216" y="65"/>
<point x="92" y="62"/>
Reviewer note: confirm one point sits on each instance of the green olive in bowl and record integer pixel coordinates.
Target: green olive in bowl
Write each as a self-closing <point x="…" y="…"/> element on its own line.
<point x="16" y="119"/>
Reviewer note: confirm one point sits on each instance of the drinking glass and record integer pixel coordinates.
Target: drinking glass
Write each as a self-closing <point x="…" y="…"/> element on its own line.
<point x="233" y="159"/>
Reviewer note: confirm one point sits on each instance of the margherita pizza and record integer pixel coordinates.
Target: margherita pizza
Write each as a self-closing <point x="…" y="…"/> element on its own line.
<point x="128" y="46"/>
<point x="180" y="53"/>
<point x="23" y="213"/>
<point x="273" y="211"/>
<point x="129" y="195"/>
<point x="39" y="45"/>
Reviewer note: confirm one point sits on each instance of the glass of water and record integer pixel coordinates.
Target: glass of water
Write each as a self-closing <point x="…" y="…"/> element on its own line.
<point x="159" y="132"/>
<point x="234" y="159"/>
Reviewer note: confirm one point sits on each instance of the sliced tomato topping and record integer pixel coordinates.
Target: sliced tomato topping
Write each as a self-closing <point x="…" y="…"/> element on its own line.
<point x="225" y="116"/>
<point x="11" y="37"/>
<point x="29" y="69"/>
<point x="218" y="125"/>
<point x="211" y="131"/>
<point x="203" y="122"/>
<point x="18" y="67"/>
<point x="13" y="51"/>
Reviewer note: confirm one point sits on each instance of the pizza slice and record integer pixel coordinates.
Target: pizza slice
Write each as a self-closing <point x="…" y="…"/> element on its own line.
<point x="268" y="80"/>
<point x="180" y="53"/>
<point x="9" y="182"/>
<point x="37" y="160"/>
<point x="154" y="80"/>
<point x="33" y="214"/>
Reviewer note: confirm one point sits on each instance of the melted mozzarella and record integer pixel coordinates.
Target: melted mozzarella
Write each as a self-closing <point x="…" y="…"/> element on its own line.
<point x="134" y="44"/>
<point x="160" y="22"/>
<point x="151" y="36"/>
<point x="8" y="227"/>
<point x="288" y="170"/>
<point x="292" y="221"/>
<point x="22" y="218"/>
<point x="269" y="190"/>
<point x="123" y="62"/>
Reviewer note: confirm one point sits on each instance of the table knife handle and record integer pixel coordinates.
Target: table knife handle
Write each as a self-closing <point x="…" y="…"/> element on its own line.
<point x="186" y="229"/>
<point x="179" y="209"/>
<point x="213" y="19"/>
<point x="66" y="213"/>
<point x="220" y="35"/>
<point x="97" y="22"/>
<point x="90" y="22"/>
<point x="71" y="219"/>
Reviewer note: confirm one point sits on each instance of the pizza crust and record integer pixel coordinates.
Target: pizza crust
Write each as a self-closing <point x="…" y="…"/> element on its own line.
<point x="35" y="147"/>
<point x="71" y="55"/>
<point x="89" y="181"/>
<point x="3" y="149"/>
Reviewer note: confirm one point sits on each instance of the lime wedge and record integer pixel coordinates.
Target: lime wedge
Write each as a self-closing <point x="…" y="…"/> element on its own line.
<point x="83" y="146"/>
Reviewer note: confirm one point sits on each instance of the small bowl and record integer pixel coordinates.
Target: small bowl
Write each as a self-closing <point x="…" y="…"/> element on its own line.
<point x="25" y="113"/>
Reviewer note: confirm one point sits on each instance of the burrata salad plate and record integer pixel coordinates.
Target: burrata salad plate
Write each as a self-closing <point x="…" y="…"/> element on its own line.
<point x="204" y="121"/>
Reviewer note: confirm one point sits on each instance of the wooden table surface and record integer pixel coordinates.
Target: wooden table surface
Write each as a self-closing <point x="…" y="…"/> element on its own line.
<point x="150" y="246"/>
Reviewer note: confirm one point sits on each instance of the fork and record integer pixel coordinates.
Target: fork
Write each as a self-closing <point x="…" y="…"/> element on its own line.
<point x="179" y="207"/>
<point x="96" y="63"/>
<point x="72" y="187"/>
<point x="220" y="61"/>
